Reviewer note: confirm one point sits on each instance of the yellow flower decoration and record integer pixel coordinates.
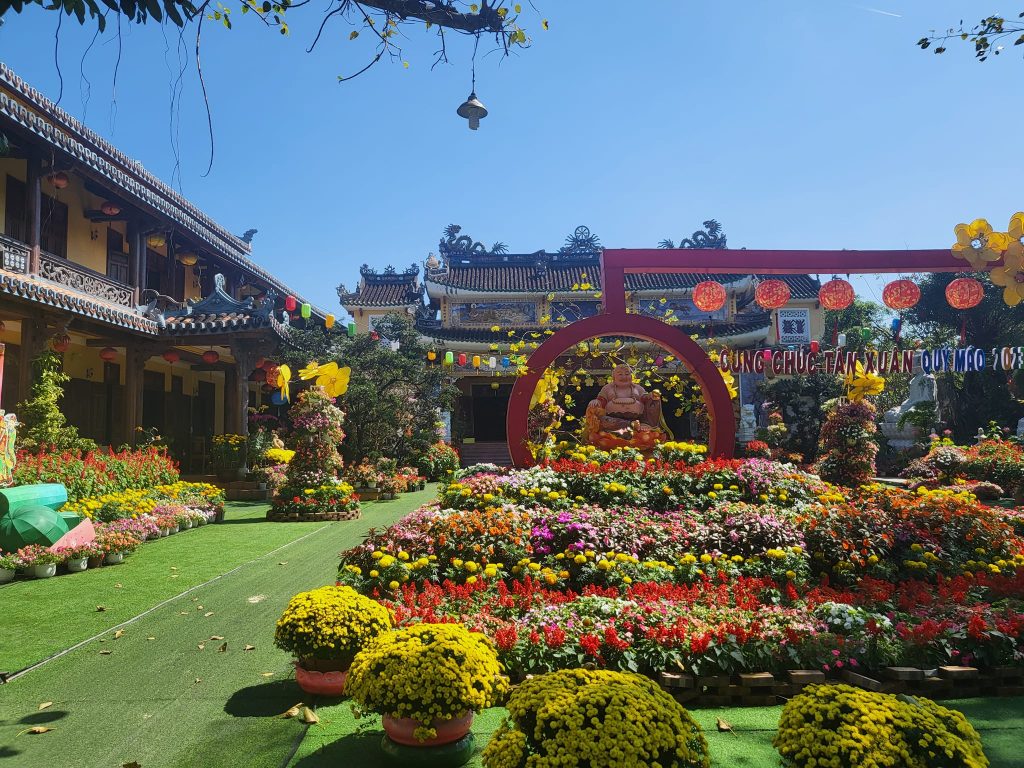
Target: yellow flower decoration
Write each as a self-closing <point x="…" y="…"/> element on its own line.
<point x="978" y="244"/>
<point x="314" y="369"/>
<point x="1015" y="232"/>
<point x="730" y="383"/>
<point x="860" y="384"/>
<point x="284" y="375"/>
<point x="335" y="381"/>
<point x="1011" y="279"/>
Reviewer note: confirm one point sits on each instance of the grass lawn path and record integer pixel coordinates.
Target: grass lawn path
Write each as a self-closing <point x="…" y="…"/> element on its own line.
<point x="164" y="694"/>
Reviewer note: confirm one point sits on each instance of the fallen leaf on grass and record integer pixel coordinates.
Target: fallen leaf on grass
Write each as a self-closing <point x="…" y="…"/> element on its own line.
<point x="309" y="716"/>
<point x="119" y="634"/>
<point x="151" y="638"/>
<point x="199" y="607"/>
<point x="35" y="729"/>
<point x="292" y="711"/>
<point x="284" y="563"/>
<point x="249" y="648"/>
<point x="266" y="674"/>
<point x="174" y="567"/>
<point x="119" y="586"/>
<point x="223" y="647"/>
<point x="208" y="614"/>
<point x="199" y="679"/>
<point x="724" y="725"/>
<point x="256" y="599"/>
<point x="174" y="575"/>
<point x="101" y="608"/>
<point x="183" y="613"/>
<point x="45" y="705"/>
<point x="105" y="653"/>
<point x="216" y="637"/>
<point x="202" y="646"/>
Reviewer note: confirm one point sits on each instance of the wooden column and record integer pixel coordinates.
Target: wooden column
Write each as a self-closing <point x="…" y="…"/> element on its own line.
<point x="131" y="407"/>
<point x="134" y="259"/>
<point x="245" y="361"/>
<point x="231" y="406"/>
<point x="34" y="208"/>
<point x="33" y="341"/>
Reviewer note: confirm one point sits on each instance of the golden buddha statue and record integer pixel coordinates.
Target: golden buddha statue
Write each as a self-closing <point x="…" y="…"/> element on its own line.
<point x="624" y="414"/>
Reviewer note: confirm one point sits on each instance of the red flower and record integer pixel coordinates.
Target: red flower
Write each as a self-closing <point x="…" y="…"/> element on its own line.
<point x="591" y="645"/>
<point x="554" y="637"/>
<point x="506" y="638"/>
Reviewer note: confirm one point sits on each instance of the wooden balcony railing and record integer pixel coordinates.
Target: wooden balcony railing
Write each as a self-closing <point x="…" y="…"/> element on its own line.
<point x="13" y="255"/>
<point x="84" y="280"/>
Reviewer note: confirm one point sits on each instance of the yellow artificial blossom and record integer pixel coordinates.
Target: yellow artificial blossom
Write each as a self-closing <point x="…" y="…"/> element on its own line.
<point x="730" y="383"/>
<point x="1015" y="248"/>
<point x="1010" y="277"/>
<point x="313" y="370"/>
<point x="335" y="382"/>
<point x="860" y="384"/>
<point x="284" y="375"/>
<point x="978" y="244"/>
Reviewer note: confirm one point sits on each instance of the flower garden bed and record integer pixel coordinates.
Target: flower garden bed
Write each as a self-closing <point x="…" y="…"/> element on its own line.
<point x="722" y="579"/>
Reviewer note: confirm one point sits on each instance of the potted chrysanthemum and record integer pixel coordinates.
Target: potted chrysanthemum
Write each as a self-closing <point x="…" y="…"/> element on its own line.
<point x="38" y="560"/>
<point x="325" y="628"/>
<point x="426" y="681"/>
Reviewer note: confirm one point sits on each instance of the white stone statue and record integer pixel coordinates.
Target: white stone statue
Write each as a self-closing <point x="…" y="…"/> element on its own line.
<point x="1020" y="427"/>
<point x="922" y="390"/>
<point x="748" y="424"/>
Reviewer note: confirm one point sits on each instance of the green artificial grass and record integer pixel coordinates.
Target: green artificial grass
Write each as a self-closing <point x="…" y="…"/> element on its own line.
<point x="341" y="740"/>
<point x="164" y="694"/>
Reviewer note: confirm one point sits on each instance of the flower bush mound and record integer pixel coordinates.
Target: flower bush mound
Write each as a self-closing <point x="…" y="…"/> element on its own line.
<point x="97" y="473"/>
<point x="427" y="672"/>
<point x="332" y="623"/>
<point x="713" y="566"/>
<point x="845" y="727"/>
<point x="595" y="718"/>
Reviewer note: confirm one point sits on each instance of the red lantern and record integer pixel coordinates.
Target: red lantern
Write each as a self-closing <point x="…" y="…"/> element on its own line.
<point x="709" y="296"/>
<point x="290" y="303"/>
<point x="272" y="372"/>
<point x="60" y="343"/>
<point x="374" y="336"/>
<point x="462" y="358"/>
<point x="771" y="294"/>
<point x="59" y="180"/>
<point x="964" y="293"/>
<point x="108" y="354"/>
<point x="901" y="294"/>
<point x="171" y="356"/>
<point x="110" y="209"/>
<point x="260" y="362"/>
<point x="836" y="294"/>
<point x="767" y="355"/>
<point x="211" y="356"/>
<point x="815" y="346"/>
<point x="268" y="364"/>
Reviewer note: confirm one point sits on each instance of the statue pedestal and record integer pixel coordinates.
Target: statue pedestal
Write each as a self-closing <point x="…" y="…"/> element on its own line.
<point x="900" y="439"/>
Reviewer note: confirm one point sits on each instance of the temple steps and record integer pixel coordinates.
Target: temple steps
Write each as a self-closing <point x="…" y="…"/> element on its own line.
<point x="485" y="453"/>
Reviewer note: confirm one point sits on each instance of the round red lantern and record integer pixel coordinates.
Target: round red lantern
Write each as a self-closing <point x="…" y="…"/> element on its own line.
<point x="836" y="294"/>
<point x="771" y="294"/>
<point x="171" y="356"/>
<point x="260" y="362"/>
<point x="901" y="294"/>
<point x="59" y="180"/>
<point x="110" y="209"/>
<point x="709" y="296"/>
<point x="462" y="358"/>
<point x="964" y="293"/>
<point x="211" y="356"/>
<point x="108" y="354"/>
<point x="272" y="371"/>
<point x="290" y="303"/>
<point x="60" y="343"/>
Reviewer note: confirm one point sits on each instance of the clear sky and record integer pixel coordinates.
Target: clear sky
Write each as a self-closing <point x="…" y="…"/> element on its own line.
<point x="796" y="123"/>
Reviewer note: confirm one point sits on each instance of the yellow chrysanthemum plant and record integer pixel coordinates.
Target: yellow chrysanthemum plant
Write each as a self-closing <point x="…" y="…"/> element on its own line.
<point x="846" y="727"/>
<point x="325" y="629"/>
<point x="577" y="717"/>
<point x="426" y="681"/>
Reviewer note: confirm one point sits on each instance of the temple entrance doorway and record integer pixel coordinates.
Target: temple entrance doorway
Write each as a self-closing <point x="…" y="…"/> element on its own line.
<point x="489" y="408"/>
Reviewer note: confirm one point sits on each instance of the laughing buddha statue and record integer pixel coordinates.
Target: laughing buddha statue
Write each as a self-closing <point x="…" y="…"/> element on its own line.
<point x="624" y="414"/>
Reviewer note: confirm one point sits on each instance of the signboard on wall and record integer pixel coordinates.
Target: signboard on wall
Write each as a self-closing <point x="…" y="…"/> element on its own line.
<point x="794" y="326"/>
<point x="494" y="313"/>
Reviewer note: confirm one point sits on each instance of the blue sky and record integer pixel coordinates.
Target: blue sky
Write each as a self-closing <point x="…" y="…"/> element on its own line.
<point x="796" y="123"/>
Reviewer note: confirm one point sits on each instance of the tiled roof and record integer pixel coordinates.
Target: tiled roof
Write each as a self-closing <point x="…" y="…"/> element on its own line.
<point x="60" y="130"/>
<point x="219" y="313"/>
<point x="396" y="294"/>
<point x="432" y="329"/>
<point x="517" y="278"/>
<point x="55" y="296"/>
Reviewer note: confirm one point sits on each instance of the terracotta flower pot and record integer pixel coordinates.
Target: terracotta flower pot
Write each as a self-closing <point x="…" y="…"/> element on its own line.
<point x="401" y="730"/>
<point x="327" y="683"/>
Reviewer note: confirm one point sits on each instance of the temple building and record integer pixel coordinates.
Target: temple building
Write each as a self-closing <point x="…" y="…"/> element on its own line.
<point x="472" y="298"/>
<point x="159" y="313"/>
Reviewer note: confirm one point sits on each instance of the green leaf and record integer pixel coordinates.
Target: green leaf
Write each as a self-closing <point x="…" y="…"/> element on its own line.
<point x="353" y="34"/>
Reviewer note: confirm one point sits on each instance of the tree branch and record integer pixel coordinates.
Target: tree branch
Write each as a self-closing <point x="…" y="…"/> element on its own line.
<point x="487" y="20"/>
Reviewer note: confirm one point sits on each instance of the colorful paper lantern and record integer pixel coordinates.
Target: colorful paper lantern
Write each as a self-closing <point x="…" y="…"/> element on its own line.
<point x="771" y="294"/>
<point x="110" y="209"/>
<point x="431" y="355"/>
<point x="271" y="374"/>
<point x="188" y="259"/>
<point x="290" y="303"/>
<point x="374" y="336"/>
<point x="492" y="362"/>
<point x="156" y="241"/>
<point x="495" y="385"/>
<point x="901" y="294"/>
<point x="505" y="362"/>
<point x="59" y="180"/>
<point x="449" y="358"/>
<point x="211" y="356"/>
<point x="767" y="355"/>
<point x="836" y="294"/>
<point x="329" y="322"/>
<point x="462" y="358"/>
<point x="841" y="340"/>
<point x="815" y="346"/>
<point x="352" y="330"/>
<point x="709" y="296"/>
<point x="171" y="356"/>
<point x="866" y="334"/>
<point x="277" y="398"/>
<point x="306" y="311"/>
<point x="108" y="354"/>
<point x="60" y="343"/>
<point x="964" y="293"/>
<point x="476" y="361"/>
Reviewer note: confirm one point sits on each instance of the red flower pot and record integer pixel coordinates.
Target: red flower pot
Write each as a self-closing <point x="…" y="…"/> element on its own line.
<point x="331" y="683"/>
<point x="401" y="729"/>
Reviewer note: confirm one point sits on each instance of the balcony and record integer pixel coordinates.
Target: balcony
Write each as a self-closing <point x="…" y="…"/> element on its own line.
<point x="67" y="274"/>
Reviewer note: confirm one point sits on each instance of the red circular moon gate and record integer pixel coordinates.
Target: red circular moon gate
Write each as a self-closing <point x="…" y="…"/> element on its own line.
<point x="716" y="394"/>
